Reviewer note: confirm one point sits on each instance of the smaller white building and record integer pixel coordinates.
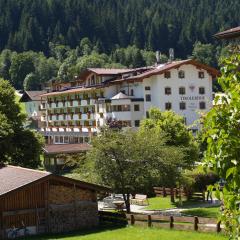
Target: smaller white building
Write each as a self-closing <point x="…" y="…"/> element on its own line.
<point x="32" y="101"/>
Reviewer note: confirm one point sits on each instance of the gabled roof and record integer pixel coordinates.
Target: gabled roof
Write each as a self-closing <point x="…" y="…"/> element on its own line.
<point x="66" y="148"/>
<point x="120" y="95"/>
<point x="109" y="71"/>
<point x="31" y="96"/>
<point x="168" y="66"/>
<point x="12" y="177"/>
<point x="228" y="34"/>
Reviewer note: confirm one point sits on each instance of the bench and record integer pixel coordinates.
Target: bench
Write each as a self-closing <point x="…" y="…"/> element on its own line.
<point x="140" y="199"/>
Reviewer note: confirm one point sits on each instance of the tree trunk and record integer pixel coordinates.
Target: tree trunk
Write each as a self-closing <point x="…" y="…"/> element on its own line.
<point x="126" y="198"/>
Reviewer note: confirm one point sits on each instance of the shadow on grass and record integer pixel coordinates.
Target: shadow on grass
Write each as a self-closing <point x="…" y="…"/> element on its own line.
<point x="78" y="233"/>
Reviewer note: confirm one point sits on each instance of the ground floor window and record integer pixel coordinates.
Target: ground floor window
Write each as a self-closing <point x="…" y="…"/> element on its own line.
<point x="137" y="123"/>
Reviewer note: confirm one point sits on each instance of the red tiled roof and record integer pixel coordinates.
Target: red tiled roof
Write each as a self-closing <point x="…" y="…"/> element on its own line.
<point x="66" y="148"/>
<point x="12" y="177"/>
<point x="169" y="66"/>
<point x="109" y="71"/>
<point x="230" y="33"/>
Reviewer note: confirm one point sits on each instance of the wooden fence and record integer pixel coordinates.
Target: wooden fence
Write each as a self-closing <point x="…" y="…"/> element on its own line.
<point x="178" y="193"/>
<point x="179" y="223"/>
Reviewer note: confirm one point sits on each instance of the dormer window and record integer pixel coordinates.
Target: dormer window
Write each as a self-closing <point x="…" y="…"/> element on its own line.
<point x="167" y="74"/>
<point x="181" y="74"/>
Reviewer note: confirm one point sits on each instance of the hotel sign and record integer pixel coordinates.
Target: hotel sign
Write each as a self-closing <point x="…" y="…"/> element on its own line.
<point x="192" y="98"/>
<point x="192" y="101"/>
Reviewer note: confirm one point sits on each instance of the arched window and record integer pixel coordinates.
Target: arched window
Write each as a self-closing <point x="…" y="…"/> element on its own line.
<point x="168" y="91"/>
<point x="181" y="74"/>
<point x="182" y="90"/>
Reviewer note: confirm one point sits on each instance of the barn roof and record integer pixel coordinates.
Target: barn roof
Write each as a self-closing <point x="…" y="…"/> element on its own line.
<point x="65" y="148"/>
<point x="13" y="178"/>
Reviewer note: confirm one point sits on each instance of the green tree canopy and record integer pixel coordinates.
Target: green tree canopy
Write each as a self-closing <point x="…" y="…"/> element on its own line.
<point x="222" y="133"/>
<point x="131" y="162"/>
<point x="18" y="146"/>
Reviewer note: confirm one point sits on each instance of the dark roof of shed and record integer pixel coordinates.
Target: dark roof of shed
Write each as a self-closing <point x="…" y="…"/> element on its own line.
<point x="228" y="34"/>
<point x="32" y="95"/>
<point x="12" y="177"/>
<point x="65" y="148"/>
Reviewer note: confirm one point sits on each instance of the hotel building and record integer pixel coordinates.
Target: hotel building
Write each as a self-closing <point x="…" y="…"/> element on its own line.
<point x="73" y="112"/>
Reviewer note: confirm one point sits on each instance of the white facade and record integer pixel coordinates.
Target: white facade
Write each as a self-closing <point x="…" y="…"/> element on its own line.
<point x="184" y="88"/>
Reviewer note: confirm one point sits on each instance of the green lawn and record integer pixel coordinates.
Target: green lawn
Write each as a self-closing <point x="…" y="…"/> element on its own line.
<point x="160" y="203"/>
<point x="157" y="203"/>
<point x="211" y="212"/>
<point x="139" y="233"/>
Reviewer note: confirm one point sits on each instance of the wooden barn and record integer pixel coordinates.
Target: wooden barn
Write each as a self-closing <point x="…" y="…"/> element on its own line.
<point x="44" y="202"/>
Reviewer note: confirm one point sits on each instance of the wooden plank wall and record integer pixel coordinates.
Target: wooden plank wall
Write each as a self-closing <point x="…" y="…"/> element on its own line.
<point x="24" y="205"/>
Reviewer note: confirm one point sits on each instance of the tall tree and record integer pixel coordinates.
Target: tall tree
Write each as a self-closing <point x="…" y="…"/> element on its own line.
<point x="18" y="146"/>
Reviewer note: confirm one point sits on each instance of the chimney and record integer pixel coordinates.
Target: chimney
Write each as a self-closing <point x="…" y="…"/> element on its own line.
<point x="171" y="54"/>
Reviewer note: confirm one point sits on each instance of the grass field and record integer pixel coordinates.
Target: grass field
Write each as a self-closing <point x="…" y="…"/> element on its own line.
<point x="211" y="212"/>
<point x="139" y="233"/>
<point x="160" y="203"/>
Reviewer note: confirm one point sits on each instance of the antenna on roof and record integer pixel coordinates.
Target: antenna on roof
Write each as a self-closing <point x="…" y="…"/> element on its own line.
<point x="171" y="54"/>
<point x="158" y="57"/>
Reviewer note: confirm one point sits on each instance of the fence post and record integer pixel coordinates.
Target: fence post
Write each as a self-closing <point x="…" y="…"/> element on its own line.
<point x="164" y="192"/>
<point x="195" y="223"/>
<point x="132" y="220"/>
<point x="172" y="195"/>
<point x="171" y="222"/>
<point x="219" y="226"/>
<point x="149" y="221"/>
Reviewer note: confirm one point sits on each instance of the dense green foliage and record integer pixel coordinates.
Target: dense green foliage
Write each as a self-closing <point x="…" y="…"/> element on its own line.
<point x="223" y="137"/>
<point x="175" y="131"/>
<point x="153" y="24"/>
<point x="18" y="146"/>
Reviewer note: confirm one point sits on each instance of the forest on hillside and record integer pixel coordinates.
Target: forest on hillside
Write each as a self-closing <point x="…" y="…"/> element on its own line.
<point x="44" y="40"/>
<point x="109" y="24"/>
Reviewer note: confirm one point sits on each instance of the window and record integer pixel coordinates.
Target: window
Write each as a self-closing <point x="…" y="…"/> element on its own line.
<point x="202" y="105"/>
<point x="61" y="139"/>
<point x="147" y="114"/>
<point x="56" y="139"/>
<point x="168" y="106"/>
<point x="181" y="74"/>
<point x="137" y="123"/>
<point x="167" y="74"/>
<point x="182" y="105"/>
<point x="136" y="108"/>
<point x="148" y="97"/>
<point x="66" y="140"/>
<point x="182" y="90"/>
<point x="201" y="90"/>
<point x="201" y="74"/>
<point x="132" y="92"/>
<point x="147" y="88"/>
<point x="168" y="91"/>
